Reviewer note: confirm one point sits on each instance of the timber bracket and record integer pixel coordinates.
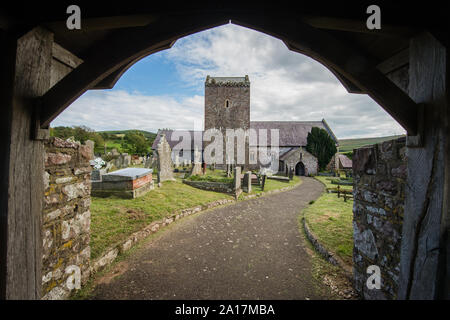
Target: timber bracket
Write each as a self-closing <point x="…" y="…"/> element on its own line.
<point x="37" y="131"/>
<point x="416" y="141"/>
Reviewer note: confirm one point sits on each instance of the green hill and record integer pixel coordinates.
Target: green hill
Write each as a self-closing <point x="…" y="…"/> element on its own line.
<point x="149" y="135"/>
<point x="347" y="145"/>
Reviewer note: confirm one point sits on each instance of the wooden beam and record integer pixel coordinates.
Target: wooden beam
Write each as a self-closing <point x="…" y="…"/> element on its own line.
<point x="7" y="70"/>
<point x="118" y="50"/>
<point x="110" y="81"/>
<point x="106" y="23"/>
<point x="395" y="62"/>
<point x="340" y="56"/>
<point x="424" y="244"/>
<point x="351" y="25"/>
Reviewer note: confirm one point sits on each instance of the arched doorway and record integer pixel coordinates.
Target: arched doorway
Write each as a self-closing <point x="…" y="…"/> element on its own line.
<point x="300" y="169"/>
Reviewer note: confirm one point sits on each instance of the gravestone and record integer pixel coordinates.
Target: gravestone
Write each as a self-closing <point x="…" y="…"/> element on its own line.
<point x="197" y="166"/>
<point x="125" y="183"/>
<point x="204" y="168"/>
<point x="291" y="173"/>
<point x="228" y="170"/>
<point x="165" y="165"/>
<point x="237" y="181"/>
<point x="248" y="181"/>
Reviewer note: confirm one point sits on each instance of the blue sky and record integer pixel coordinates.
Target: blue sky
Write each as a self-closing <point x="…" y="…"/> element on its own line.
<point x="166" y="89"/>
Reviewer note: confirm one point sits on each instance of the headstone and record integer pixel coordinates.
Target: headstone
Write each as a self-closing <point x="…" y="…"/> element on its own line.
<point x="248" y="181"/>
<point x="291" y="173"/>
<point x="197" y="167"/>
<point x="237" y="178"/>
<point x="263" y="182"/>
<point x="204" y="168"/>
<point x="228" y="170"/>
<point x="165" y="165"/>
<point x="115" y="153"/>
<point x="95" y="175"/>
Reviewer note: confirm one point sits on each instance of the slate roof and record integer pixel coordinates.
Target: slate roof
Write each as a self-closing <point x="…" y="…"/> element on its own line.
<point x="346" y="162"/>
<point x="291" y="133"/>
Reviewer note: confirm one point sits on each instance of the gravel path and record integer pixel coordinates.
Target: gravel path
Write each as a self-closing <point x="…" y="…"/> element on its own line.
<point x="249" y="250"/>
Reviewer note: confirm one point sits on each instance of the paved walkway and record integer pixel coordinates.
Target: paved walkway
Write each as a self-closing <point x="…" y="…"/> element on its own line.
<point x="248" y="250"/>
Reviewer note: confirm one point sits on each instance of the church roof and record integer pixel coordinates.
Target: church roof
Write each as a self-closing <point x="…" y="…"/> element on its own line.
<point x="346" y="162"/>
<point x="291" y="133"/>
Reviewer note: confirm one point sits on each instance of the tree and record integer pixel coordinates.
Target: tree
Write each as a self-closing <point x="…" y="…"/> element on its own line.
<point x="321" y="145"/>
<point x="138" y="143"/>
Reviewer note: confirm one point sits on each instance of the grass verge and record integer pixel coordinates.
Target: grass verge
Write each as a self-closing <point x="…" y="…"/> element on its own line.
<point x="327" y="182"/>
<point x="114" y="219"/>
<point x="330" y="219"/>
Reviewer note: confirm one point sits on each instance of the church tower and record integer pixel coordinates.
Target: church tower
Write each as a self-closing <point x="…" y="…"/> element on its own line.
<point x="227" y="105"/>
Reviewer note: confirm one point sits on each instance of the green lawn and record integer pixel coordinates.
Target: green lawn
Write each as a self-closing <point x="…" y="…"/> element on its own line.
<point x="330" y="219"/>
<point x="114" y="219"/>
<point x="346" y="145"/>
<point x="328" y="184"/>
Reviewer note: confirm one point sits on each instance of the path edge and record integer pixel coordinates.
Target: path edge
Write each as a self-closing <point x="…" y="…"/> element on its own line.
<point x="331" y="257"/>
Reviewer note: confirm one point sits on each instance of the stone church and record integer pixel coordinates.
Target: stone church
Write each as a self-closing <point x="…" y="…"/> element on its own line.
<point x="227" y="106"/>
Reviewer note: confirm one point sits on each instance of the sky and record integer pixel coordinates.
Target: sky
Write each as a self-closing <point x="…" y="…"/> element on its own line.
<point x="166" y="89"/>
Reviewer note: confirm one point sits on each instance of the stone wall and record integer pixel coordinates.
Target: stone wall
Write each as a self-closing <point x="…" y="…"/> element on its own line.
<point x="379" y="192"/>
<point x="211" y="186"/>
<point x="66" y="216"/>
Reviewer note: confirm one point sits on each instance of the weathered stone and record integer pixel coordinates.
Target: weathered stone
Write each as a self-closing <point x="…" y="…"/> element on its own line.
<point x="378" y="215"/>
<point x="365" y="242"/>
<point x="63" y="180"/>
<point x="73" y="191"/>
<point x="165" y="165"/>
<point x="53" y="159"/>
<point x="46" y="180"/>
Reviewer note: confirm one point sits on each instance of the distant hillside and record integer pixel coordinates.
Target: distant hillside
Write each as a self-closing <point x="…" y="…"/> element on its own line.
<point x="347" y="145"/>
<point x="147" y="134"/>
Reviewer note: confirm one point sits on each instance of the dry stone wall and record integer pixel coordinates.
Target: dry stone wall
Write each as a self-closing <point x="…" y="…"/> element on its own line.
<point x="379" y="193"/>
<point x="66" y="217"/>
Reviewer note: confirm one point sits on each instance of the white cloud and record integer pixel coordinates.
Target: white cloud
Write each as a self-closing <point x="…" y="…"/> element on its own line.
<point x="120" y="110"/>
<point x="284" y="86"/>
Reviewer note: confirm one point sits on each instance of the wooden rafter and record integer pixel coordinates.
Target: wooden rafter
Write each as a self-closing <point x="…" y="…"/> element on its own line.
<point x="116" y="51"/>
<point x="337" y="55"/>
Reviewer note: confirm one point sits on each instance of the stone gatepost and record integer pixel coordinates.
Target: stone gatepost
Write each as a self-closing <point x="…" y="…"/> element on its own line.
<point x="248" y="181"/>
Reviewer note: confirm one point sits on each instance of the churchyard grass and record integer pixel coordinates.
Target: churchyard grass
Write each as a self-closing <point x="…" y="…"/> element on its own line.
<point x="114" y="219"/>
<point x="330" y="219"/>
<point x="327" y="182"/>
<point x="273" y="185"/>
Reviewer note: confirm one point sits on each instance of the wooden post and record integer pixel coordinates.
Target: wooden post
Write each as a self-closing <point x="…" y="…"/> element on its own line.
<point x="423" y="267"/>
<point x="22" y="164"/>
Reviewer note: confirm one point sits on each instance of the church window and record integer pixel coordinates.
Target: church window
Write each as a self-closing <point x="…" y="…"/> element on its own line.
<point x="227" y="103"/>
